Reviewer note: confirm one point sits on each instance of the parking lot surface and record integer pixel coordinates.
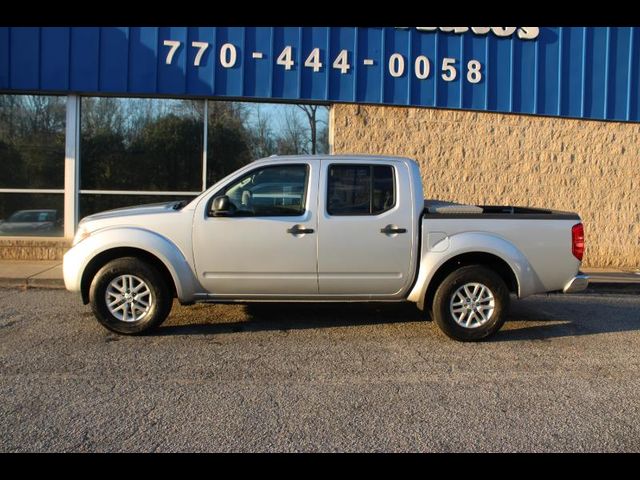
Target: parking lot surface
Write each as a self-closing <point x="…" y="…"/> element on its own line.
<point x="562" y="375"/>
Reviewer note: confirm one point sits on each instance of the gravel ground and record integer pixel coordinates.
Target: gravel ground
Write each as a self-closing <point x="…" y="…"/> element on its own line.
<point x="562" y="375"/>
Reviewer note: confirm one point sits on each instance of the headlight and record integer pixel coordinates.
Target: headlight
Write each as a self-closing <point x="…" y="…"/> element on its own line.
<point x="81" y="234"/>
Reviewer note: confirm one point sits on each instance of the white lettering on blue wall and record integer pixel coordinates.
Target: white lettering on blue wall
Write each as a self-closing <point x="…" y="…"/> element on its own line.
<point x="523" y="33"/>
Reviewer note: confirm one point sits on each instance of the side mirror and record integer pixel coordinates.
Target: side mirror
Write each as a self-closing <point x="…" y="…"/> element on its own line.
<point x="222" y="207"/>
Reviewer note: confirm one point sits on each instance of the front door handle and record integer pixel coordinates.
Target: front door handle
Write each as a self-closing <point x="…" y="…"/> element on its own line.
<point x="299" y="230"/>
<point x="391" y="229"/>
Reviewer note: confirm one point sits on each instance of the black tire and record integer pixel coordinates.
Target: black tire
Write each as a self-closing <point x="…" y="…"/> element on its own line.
<point x="446" y="291"/>
<point x="160" y="298"/>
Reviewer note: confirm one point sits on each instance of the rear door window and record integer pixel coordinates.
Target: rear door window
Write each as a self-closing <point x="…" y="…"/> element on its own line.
<point x="360" y="189"/>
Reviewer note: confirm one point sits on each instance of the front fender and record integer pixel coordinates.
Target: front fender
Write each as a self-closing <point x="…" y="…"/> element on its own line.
<point x="78" y="257"/>
<point x="474" y="242"/>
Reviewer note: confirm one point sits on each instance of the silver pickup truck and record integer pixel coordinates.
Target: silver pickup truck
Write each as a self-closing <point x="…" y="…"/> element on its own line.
<point x="323" y="228"/>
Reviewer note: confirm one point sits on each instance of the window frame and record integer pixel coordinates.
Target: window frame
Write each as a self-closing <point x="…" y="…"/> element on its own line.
<point x="223" y="190"/>
<point x="371" y="167"/>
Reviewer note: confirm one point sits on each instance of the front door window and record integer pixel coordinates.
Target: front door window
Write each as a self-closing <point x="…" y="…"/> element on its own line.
<point x="270" y="191"/>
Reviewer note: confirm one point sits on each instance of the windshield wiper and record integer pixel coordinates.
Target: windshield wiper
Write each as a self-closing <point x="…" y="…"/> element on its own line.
<point x="181" y="204"/>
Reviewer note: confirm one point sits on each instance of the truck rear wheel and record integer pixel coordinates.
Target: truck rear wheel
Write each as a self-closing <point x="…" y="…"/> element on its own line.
<point x="129" y="296"/>
<point x="471" y="303"/>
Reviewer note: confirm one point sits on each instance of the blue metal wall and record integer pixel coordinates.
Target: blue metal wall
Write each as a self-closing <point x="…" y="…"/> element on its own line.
<point x="584" y="72"/>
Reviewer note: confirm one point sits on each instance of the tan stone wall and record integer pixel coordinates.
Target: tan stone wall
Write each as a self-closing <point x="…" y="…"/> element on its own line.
<point x="33" y="249"/>
<point x="590" y="167"/>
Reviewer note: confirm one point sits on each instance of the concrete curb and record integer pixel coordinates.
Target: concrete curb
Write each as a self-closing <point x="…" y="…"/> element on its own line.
<point x="31" y="283"/>
<point x="44" y="283"/>
<point x="13" y="283"/>
<point x="36" y="274"/>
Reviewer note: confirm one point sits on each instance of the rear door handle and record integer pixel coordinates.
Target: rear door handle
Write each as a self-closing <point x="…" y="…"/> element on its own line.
<point x="299" y="230"/>
<point x="391" y="229"/>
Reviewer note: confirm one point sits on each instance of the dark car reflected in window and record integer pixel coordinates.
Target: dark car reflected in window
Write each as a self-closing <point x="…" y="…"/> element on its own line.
<point x="32" y="222"/>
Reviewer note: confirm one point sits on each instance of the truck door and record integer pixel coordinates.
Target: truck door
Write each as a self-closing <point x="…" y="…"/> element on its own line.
<point x="365" y="228"/>
<point x="267" y="247"/>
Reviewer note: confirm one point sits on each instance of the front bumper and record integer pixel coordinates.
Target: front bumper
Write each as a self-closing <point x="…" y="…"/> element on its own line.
<point x="577" y="283"/>
<point x="72" y="266"/>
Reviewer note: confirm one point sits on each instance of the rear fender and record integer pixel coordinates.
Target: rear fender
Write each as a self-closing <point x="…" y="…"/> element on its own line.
<point x="473" y="242"/>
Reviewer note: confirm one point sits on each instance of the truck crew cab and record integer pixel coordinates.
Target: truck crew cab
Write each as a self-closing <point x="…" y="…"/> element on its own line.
<point x="323" y="228"/>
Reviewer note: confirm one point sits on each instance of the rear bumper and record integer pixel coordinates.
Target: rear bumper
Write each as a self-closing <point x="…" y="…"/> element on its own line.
<point x="577" y="283"/>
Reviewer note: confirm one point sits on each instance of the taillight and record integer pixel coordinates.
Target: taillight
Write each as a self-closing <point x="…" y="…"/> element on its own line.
<point x="577" y="241"/>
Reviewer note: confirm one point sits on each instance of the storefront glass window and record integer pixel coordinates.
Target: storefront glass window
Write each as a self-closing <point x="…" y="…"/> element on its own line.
<point x="31" y="214"/>
<point x="135" y="151"/>
<point x="139" y="145"/>
<point x="240" y="132"/>
<point x="92" y="203"/>
<point x="32" y="145"/>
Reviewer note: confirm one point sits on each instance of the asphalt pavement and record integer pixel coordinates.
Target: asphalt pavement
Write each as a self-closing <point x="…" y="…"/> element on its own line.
<point x="562" y="375"/>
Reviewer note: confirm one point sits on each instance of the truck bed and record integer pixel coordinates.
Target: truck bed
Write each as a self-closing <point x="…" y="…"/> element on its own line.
<point x="442" y="209"/>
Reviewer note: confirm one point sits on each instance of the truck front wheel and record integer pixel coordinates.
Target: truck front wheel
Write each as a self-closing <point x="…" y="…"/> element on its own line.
<point x="129" y="296"/>
<point x="471" y="303"/>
